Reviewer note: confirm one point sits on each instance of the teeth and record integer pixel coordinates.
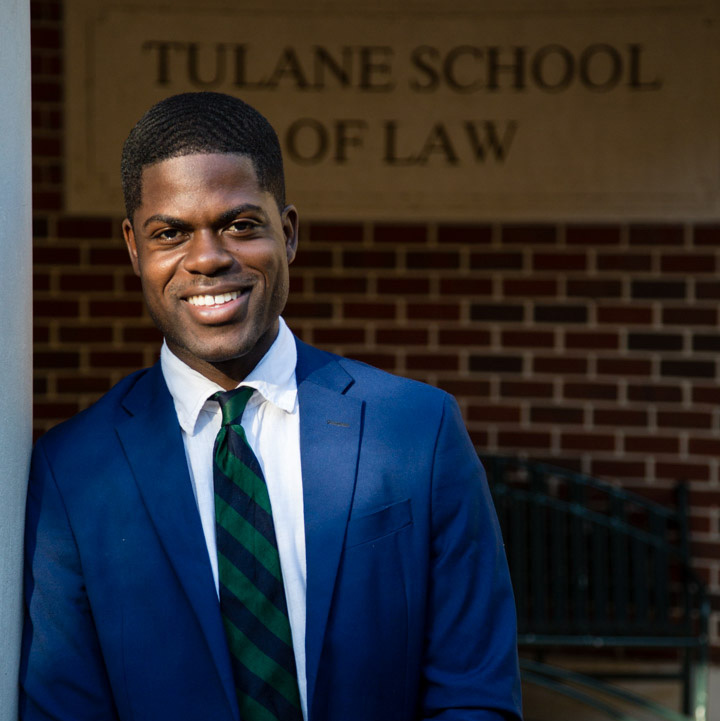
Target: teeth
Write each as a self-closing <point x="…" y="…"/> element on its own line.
<point x="213" y="299"/>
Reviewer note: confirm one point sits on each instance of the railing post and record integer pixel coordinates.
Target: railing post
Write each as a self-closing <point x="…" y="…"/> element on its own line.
<point x="15" y="326"/>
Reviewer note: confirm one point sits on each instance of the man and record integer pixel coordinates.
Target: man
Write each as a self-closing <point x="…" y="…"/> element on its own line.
<point x="377" y="588"/>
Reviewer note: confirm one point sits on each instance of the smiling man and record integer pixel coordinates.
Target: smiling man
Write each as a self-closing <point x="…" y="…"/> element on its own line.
<point x="254" y="529"/>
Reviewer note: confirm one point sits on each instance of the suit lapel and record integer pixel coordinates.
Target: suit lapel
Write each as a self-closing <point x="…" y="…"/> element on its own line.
<point x="154" y="448"/>
<point x="330" y="431"/>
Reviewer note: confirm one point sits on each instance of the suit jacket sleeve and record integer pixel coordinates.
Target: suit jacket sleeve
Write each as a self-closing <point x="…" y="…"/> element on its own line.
<point x="470" y="665"/>
<point x="63" y="676"/>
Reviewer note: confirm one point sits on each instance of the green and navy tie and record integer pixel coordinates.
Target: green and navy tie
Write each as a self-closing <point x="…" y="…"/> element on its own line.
<point x="252" y="597"/>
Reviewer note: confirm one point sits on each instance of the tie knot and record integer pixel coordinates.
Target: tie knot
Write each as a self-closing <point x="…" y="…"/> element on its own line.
<point x="232" y="404"/>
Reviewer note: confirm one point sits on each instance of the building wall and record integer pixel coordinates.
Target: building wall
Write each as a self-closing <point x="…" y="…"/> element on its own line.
<point x="594" y="346"/>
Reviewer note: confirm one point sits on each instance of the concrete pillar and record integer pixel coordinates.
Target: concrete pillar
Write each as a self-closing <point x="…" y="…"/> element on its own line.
<point x="15" y="331"/>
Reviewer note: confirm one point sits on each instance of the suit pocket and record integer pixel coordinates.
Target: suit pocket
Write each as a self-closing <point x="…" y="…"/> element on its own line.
<point x="378" y="524"/>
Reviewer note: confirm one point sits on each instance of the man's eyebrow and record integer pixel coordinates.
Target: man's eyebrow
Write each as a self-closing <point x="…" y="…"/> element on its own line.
<point x="233" y="213"/>
<point x="167" y="220"/>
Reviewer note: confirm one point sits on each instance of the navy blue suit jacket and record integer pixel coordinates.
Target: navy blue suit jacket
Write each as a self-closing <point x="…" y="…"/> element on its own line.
<point x="409" y="606"/>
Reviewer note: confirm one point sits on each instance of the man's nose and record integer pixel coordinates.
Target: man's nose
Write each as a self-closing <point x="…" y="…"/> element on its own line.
<point x="207" y="254"/>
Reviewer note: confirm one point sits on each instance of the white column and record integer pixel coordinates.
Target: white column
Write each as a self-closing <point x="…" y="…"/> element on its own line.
<point x="15" y="331"/>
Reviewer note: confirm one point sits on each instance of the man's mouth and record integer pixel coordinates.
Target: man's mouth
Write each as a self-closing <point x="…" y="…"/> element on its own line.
<point x="209" y="300"/>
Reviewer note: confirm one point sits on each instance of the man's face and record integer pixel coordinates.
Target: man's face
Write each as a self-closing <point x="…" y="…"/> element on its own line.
<point x="212" y="251"/>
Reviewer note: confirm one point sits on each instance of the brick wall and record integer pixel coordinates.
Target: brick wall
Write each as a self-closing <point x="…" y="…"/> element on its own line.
<point x="591" y="345"/>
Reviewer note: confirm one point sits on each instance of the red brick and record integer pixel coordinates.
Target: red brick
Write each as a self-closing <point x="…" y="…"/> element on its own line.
<point x="464" y="234"/>
<point x="619" y="417"/>
<point x="707" y="290"/>
<point x="331" y="336"/>
<point x="684" y="419"/>
<point x="701" y="524"/>
<point x="625" y="315"/>
<point x="40" y="386"/>
<point x="368" y="259"/>
<point x="336" y="232"/>
<point x="39" y="226"/>
<point x="559" y="365"/>
<point x="433" y="311"/>
<point x="560" y="261"/>
<point x="41" y="281"/>
<point x="85" y="334"/>
<point x="465" y="388"/>
<point x="704" y="446"/>
<point x="593" y="442"/>
<point x="560" y="314"/>
<point x="466" y="286"/>
<point x="655" y="393"/>
<point x="56" y="308"/>
<point x="588" y="288"/>
<point x="61" y="410"/>
<point x="400" y="234"/>
<point x="44" y="36"/>
<point x="656" y="235"/>
<point x="652" y="444"/>
<point x="308" y="309"/>
<point x="529" y="234"/>
<point x="46" y="91"/>
<point x="147" y="334"/>
<point x="369" y="310"/>
<point x="706" y="235"/>
<point x="82" y="384"/>
<point x="689" y="315"/>
<point x="706" y="342"/>
<point x="297" y="284"/>
<point x="47" y="199"/>
<point x="314" y="259"/>
<point x="432" y="260"/>
<point x="464" y="337"/>
<point x="432" y="362"/>
<point x="403" y="286"/>
<point x="687" y="263"/>
<point x="340" y="285"/>
<point x="497" y="312"/>
<point x="116" y="359"/>
<point x="489" y="413"/>
<point x="496" y="364"/>
<point x="591" y="340"/>
<point x="523" y="439"/>
<point x="526" y="389"/>
<point x="529" y="287"/>
<point x="557" y="414"/>
<point x="527" y="339"/>
<point x="479" y="438"/>
<point x="688" y="368"/>
<point x="109" y="256"/>
<point x="618" y="469"/>
<point x="79" y="227"/>
<point x="56" y="359"/>
<point x="630" y="262"/>
<point x="386" y="361"/>
<point x="592" y="235"/>
<point x="658" y="289"/>
<point x="41" y="333"/>
<point x="86" y="282"/>
<point x="706" y="394"/>
<point x="116" y="308"/>
<point x="682" y="471"/>
<point x="591" y="391"/>
<point x="624" y="367"/>
<point x="402" y="336"/>
<point x="655" y="341"/>
<point x="496" y="261"/>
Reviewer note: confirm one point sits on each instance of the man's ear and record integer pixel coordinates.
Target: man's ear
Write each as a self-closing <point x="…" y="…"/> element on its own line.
<point x="290" y="229"/>
<point x="129" y="235"/>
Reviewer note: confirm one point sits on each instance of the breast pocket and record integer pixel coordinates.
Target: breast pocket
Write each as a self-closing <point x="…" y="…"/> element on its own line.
<point x="378" y="524"/>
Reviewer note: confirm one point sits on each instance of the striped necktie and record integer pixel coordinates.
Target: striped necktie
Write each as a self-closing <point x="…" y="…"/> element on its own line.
<point x="252" y="597"/>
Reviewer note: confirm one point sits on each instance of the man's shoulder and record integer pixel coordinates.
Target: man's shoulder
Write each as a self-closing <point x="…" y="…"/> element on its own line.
<point x="98" y="419"/>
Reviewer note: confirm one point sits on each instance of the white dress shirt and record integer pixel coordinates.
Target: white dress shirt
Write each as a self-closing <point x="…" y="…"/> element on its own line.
<point x="272" y="425"/>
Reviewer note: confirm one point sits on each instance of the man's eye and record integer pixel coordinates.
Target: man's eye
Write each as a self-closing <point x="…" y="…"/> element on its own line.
<point x="169" y="234"/>
<point x="241" y="226"/>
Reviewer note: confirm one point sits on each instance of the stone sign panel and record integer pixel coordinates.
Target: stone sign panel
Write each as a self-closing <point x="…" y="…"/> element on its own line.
<point x="452" y="111"/>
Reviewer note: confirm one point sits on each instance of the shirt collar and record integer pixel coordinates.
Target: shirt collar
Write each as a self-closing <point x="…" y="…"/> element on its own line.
<point x="273" y="377"/>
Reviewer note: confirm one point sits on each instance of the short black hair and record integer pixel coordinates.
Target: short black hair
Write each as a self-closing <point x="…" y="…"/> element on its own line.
<point x="204" y="122"/>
